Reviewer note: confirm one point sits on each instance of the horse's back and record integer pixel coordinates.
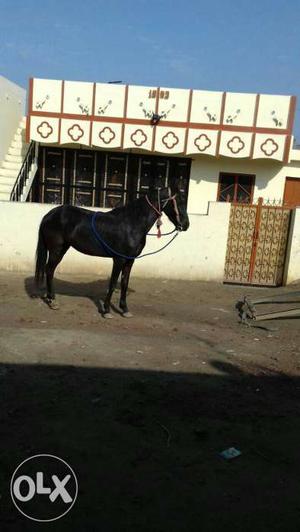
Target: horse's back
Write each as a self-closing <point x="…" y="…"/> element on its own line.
<point x="63" y="212"/>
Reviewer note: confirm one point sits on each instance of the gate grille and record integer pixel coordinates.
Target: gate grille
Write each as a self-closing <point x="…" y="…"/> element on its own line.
<point x="256" y="246"/>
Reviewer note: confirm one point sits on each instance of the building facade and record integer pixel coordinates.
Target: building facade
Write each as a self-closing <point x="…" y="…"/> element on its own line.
<point x="113" y="141"/>
<point x="101" y="145"/>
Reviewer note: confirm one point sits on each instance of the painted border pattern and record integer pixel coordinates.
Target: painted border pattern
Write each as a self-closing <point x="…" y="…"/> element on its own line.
<point x="187" y="125"/>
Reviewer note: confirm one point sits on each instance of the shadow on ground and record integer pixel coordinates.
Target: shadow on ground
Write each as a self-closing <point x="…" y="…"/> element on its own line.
<point x="145" y="445"/>
<point x="94" y="290"/>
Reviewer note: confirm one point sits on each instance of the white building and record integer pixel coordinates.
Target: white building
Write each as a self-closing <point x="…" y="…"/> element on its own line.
<point x="100" y="145"/>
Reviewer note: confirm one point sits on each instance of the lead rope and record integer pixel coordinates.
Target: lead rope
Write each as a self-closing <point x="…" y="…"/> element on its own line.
<point x="159" y="220"/>
<point x="158" y="212"/>
<point x="158" y="224"/>
<point x="116" y="253"/>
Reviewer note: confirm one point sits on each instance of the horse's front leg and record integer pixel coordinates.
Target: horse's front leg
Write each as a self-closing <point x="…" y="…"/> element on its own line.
<point x="124" y="285"/>
<point x="117" y="266"/>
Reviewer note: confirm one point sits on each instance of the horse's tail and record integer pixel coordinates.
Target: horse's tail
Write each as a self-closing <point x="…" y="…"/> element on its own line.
<point x="41" y="258"/>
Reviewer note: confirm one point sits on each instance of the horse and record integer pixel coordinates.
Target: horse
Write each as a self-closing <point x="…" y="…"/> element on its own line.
<point x="119" y="234"/>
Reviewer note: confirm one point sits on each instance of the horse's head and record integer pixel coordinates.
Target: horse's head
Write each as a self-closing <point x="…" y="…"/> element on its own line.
<point x="173" y="205"/>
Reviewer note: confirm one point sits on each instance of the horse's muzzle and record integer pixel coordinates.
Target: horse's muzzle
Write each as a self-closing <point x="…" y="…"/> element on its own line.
<point x="183" y="226"/>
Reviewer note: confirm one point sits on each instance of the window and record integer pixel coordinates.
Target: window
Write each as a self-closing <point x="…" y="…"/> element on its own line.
<point x="114" y="182"/>
<point x="103" y="179"/>
<point x="236" y="188"/>
<point x="82" y="183"/>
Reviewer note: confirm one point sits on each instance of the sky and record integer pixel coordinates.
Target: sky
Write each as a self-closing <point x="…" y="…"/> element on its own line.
<point x="223" y="45"/>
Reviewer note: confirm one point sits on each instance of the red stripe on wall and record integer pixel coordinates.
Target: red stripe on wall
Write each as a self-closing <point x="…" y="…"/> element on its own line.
<point x="254" y="125"/>
<point x="61" y="108"/>
<point x="124" y="116"/>
<point x="287" y="147"/>
<point x="221" y="124"/>
<point x="291" y="117"/>
<point x="166" y="123"/>
<point x="92" y="113"/>
<point x="155" y="126"/>
<point x="29" y="106"/>
<point x="188" y="120"/>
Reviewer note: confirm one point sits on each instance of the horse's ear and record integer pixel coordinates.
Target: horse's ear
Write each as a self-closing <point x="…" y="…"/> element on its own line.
<point x="174" y="186"/>
<point x="153" y="191"/>
<point x="164" y="193"/>
<point x="178" y="185"/>
<point x="155" y="184"/>
<point x="151" y="188"/>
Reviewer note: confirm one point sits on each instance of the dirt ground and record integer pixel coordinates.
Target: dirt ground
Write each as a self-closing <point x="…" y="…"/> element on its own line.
<point x="142" y="407"/>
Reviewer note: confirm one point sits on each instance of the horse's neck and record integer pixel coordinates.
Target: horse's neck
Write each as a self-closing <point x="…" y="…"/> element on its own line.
<point x="143" y="215"/>
<point x="151" y="220"/>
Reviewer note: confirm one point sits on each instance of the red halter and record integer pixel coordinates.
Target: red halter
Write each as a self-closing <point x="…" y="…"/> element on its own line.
<point x="159" y="211"/>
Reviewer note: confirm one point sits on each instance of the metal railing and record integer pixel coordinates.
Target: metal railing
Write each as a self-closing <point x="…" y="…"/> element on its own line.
<point x="29" y="160"/>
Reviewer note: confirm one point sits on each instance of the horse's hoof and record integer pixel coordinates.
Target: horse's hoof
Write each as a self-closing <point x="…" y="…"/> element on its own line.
<point x="127" y="315"/>
<point x="107" y="315"/>
<point x="53" y="305"/>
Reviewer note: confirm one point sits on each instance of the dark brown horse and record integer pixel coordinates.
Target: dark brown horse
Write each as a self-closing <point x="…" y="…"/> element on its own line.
<point x="119" y="234"/>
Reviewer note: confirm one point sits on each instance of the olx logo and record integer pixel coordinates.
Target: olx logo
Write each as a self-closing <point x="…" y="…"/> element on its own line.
<point x="44" y="487"/>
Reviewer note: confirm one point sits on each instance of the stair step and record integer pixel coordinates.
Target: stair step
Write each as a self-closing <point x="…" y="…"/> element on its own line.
<point x="18" y="137"/>
<point x="4" y="196"/>
<point x="13" y="158"/>
<point x="7" y="180"/>
<point x="6" y="172"/>
<point x="16" y="144"/>
<point x="20" y="131"/>
<point x="20" y="150"/>
<point x="7" y="188"/>
<point x="10" y="165"/>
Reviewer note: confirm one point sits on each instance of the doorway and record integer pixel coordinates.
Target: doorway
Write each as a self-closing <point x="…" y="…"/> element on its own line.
<point x="291" y="196"/>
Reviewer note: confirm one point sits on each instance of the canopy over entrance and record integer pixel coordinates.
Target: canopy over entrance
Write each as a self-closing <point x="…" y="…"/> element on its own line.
<point x="161" y="120"/>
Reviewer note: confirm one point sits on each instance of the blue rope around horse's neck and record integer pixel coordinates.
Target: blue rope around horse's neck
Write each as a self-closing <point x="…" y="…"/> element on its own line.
<point x="116" y="253"/>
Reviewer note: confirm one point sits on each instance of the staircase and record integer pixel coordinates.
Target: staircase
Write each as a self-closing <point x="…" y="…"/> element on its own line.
<point x="12" y="163"/>
<point x="26" y="175"/>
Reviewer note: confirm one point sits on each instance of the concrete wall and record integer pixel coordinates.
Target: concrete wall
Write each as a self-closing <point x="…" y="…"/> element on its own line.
<point x="12" y="109"/>
<point x="269" y="182"/>
<point x="199" y="253"/>
<point x="293" y="265"/>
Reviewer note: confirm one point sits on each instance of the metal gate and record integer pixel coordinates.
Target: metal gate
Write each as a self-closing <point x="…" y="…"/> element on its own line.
<point x="257" y="242"/>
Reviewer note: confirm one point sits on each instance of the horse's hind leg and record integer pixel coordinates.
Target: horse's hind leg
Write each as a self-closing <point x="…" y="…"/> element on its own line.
<point x="117" y="266"/>
<point x="55" y="256"/>
<point x="124" y="285"/>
